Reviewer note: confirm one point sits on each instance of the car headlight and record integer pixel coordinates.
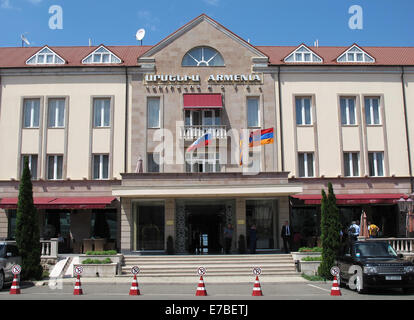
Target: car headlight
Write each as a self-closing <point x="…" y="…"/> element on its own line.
<point x="409" y="269"/>
<point x="370" y="270"/>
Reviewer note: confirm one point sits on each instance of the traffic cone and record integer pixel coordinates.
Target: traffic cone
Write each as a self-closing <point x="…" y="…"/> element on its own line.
<point x="134" y="291"/>
<point x="335" y="291"/>
<point x="257" y="290"/>
<point x="201" y="290"/>
<point x="78" y="289"/>
<point x="15" y="289"/>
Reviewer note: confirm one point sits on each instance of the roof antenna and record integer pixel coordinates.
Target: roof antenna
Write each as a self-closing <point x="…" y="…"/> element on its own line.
<point x="140" y="35"/>
<point x="24" y="40"/>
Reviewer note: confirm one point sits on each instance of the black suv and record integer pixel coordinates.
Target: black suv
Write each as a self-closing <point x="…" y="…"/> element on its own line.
<point x="374" y="264"/>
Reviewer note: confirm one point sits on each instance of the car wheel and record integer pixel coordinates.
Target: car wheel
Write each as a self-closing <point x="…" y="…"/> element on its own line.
<point x="360" y="285"/>
<point x="341" y="281"/>
<point x="1" y="280"/>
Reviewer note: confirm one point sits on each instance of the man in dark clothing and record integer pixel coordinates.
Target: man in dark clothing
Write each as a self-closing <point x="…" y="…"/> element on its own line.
<point x="253" y="238"/>
<point x="228" y="237"/>
<point x="286" y="235"/>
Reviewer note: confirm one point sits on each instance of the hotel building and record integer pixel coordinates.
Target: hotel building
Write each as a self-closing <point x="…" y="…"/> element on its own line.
<point x="106" y="128"/>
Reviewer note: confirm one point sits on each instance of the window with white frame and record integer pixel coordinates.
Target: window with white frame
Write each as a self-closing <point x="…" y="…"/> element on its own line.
<point x="31" y="113"/>
<point x="202" y="162"/>
<point x="56" y="113"/>
<point x="101" y="55"/>
<point x="101" y="112"/>
<point x="100" y="166"/>
<point x="45" y="56"/>
<point x="376" y="164"/>
<point x="153" y="162"/>
<point x="202" y="57"/>
<point x="54" y="167"/>
<point x="153" y="108"/>
<point x="303" y="54"/>
<point x="206" y="117"/>
<point x="355" y="54"/>
<point x="348" y="114"/>
<point x="32" y="161"/>
<point x="351" y="164"/>
<point x="306" y="164"/>
<point x="253" y="112"/>
<point x="303" y="111"/>
<point x="372" y="111"/>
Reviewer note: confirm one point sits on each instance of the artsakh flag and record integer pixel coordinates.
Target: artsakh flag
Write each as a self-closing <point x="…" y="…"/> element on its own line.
<point x="200" y="142"/>
<point x="265" y="136"/>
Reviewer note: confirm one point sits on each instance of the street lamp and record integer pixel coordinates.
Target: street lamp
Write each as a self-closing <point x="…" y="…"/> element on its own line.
<point x="406" y="206"/>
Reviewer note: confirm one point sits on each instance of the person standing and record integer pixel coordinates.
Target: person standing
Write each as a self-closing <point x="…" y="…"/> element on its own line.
<point x="286" y="235"/>
<point x="253" y="239"/>
<point x="372" y="230"/>
<point x="228" y="237"/>
<point x="353" y="231"/>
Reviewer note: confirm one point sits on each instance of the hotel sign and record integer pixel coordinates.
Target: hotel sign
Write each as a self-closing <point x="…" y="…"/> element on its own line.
<point x="253" y="78"/>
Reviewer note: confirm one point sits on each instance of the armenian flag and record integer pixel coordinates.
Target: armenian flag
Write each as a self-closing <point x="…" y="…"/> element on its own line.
<point x="200" y="142"/>
<point x="265" y="136"/>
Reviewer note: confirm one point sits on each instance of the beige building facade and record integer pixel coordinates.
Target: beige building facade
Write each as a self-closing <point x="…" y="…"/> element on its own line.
<point x="106" y="132"/>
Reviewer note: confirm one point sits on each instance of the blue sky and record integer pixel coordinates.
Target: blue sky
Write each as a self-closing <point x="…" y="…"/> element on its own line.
<point x="264" y="22"/>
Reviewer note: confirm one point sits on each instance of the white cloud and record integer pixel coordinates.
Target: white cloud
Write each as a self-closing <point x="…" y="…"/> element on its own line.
<point x="5" y="4"/>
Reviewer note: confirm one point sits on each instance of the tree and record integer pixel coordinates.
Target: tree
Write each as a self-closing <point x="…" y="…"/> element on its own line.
<point x="27" y="228"/>
<point x="330" y="232"/>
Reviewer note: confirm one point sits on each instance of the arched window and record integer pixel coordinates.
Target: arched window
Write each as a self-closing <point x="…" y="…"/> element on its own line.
<point x="202" y="57"/>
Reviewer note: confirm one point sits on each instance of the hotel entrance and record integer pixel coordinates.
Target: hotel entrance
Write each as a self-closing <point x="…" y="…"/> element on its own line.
<point x="204" y="222"/>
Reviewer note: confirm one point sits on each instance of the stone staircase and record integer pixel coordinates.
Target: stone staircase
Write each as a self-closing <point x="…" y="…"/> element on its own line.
<point x="281" y="265"/>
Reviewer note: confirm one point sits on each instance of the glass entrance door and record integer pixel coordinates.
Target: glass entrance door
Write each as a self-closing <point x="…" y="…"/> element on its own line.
<point x="149" y="226"/>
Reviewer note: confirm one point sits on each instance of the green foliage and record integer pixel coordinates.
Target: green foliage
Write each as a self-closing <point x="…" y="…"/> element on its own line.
<point x="307" y="249"/>
<point x="330" y="232"/>
<point x="101" y="253"/>
<point x="96" y="261"/>
<point x="318" y="258"/>
<point x="27" y="229"/>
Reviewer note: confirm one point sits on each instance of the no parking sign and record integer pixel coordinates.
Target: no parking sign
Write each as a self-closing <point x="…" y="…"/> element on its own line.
<point x="16" y="269"/>
<point x="78" y="270"/>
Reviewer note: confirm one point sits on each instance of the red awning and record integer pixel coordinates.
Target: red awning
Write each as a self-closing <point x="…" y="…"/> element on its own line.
<point x="203" y="101"/>
<point x="366" y="198"/>
<point x="62" y="203"/>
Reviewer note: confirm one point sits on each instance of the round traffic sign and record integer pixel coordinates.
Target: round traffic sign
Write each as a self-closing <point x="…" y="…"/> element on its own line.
<point x="201" y="271"/>
<point x="257" y="271"/>
<point x="16" y="269"/>
<point x="335" y="271"/>
<point x="135" y="270"/>
<point x="78" y="269"/>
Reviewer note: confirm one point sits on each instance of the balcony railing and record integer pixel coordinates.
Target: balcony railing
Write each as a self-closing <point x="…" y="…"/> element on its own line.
<point x="195" y="132"/>
<point x="400" y="245"/>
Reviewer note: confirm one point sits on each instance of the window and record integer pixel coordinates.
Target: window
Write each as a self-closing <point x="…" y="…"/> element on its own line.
<point x="355" y="54"/>
<point x="351" y="164"/>
<point x="203" y="162"/>
<point x="31" y="113"/>
<point x="306" y="164"/>
<point x="205" y="117"/>
<point x="153" y="162"/>
<point x="348" y="114"/>
<point x="54" y="167"/>
<point x="303" y="111"/>
<point x="101" y="112"/>
<point x="253" y="119"/>
<point x="101" y="55"/>
<point x="376" y="164"/>
<point x="153" y="105"/>
<point x="372" y="111"/>
<point x="56" y="113"/>
<point x="32" y="160"/>
<point x="45" y="56"/>
<point x="202" y="57"/>
<point x="100" y="166"/>
<point x="303" y="54"/>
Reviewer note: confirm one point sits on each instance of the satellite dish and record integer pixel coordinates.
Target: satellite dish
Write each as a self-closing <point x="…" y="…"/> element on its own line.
<point x="140" y="35"/>
<point x="24" y="39"/>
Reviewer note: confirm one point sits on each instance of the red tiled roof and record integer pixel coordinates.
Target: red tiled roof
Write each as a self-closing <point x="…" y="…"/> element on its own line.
<point x="15" y="57"/>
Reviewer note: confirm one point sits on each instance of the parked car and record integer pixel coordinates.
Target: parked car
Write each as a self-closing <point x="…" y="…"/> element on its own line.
<point x="9" y="256"/>
<point x="374" y="264"/>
